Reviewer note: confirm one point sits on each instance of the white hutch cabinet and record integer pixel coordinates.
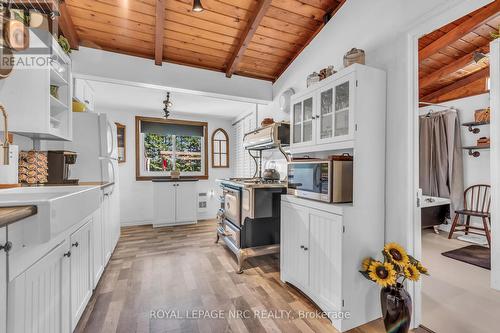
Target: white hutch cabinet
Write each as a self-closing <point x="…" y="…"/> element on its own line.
<point x="325" y="115"/>
<point x="323" y="245"/>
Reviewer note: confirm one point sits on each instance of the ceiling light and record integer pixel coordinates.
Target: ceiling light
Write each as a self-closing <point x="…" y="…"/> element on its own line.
<point x="197" y="7"/>
<point x="167" y="105"/>
<point x="479" y="57"/>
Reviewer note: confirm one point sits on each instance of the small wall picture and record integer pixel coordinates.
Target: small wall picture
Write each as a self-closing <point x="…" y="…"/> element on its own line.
<point x="121" y="139"/>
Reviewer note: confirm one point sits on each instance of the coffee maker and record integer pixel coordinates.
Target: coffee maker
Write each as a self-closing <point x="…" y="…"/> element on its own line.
<point x="59" y="164"/>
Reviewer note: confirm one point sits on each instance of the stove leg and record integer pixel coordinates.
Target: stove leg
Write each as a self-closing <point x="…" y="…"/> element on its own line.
<point x="217" y="239"/>
<point x="241" y="260"/>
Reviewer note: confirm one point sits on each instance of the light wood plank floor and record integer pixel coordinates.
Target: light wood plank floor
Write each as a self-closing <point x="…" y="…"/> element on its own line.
<point x="181" y="269"/>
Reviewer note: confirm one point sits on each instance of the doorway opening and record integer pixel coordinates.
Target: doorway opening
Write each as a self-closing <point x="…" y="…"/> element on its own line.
<point x="454" y="174"/>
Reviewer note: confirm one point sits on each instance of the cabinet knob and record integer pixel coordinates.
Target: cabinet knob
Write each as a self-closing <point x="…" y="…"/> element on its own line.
<point x="305" y="248"/>
<point x="302" y="246"/>
<point x="67" y="254"/>
<point x="75" y="244"/>
<point x="86" y="101"/>
<point x="7" y="247"/>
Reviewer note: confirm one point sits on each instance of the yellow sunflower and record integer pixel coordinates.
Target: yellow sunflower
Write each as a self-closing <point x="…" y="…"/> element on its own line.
<point x="412" y="273"/>
<point x="396" y="254"/>
<point x="382" y="273"/>
<point x="365" y="264"/>
<point x="421" y="268"/>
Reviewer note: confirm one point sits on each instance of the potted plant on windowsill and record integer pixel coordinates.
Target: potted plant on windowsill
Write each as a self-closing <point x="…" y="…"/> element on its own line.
<point x="391" y="274"/>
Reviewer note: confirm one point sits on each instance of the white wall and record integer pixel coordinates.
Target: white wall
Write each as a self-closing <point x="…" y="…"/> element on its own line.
<point x="382" y="29"/>
<point x="136" y="197"/>
<point x="476" y="170"/>
<point x="119" y="68"/>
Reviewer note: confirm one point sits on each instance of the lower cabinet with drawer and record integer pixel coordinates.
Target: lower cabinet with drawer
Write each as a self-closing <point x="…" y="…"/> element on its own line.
<point x="319" y="258"/>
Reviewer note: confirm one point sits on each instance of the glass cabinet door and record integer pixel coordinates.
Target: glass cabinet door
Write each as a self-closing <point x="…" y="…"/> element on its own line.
<point x="307" y="124"/>
<point x="325" y="116"/>
<point x="342" y="98"/>
<point x="297" y="123"/>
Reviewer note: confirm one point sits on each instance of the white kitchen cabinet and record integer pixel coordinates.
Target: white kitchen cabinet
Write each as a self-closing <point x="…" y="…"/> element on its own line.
<point x="322" y="246"/>
<point x="97" y="246"/>
<point x="39" y="297"/>
<point x="32" y="110"/>
<point x="294" y="241"/>
<point x="185" y="202"/>
<point x="175" y="203"/>
<point x="80" y="270"/>
<point x="84" y="93"/>
<point x="110" y="221"/>
<point x="326" y="116"/>
<point x="3" y="282"/>
<point x="312" y="253"/>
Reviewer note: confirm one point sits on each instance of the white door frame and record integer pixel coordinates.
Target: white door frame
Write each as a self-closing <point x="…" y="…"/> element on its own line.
<point x="439" y="17"/>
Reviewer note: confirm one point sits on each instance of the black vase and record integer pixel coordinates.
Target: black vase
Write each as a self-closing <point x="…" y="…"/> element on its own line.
<point x="396" y="308"/>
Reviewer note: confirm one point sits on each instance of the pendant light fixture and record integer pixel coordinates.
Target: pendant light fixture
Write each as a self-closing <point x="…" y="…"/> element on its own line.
<point x="167" y="105"/>
<point x="197" y="7"/>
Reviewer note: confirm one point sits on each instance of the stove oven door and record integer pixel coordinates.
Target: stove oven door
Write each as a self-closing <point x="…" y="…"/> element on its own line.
<point x="232" y="205"/>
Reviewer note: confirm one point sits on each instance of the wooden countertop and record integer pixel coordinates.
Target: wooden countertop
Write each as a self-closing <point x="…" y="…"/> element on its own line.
<point x="9" y="215"/>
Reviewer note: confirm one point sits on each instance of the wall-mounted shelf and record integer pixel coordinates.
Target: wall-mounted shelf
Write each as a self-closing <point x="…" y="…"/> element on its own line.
<point x="474" y="150"/>
<point x="473" y="125"/>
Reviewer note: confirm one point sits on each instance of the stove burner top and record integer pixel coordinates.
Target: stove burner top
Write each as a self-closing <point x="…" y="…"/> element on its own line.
<point x="257" y="181"/>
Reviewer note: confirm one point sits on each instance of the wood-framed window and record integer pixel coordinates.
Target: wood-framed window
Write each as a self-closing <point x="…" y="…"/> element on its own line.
<point x="164" y="145"/>
<point x="220" y="149"/>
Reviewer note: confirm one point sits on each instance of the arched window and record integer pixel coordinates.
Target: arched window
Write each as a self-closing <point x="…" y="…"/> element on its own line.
<point x="220" y="149"/>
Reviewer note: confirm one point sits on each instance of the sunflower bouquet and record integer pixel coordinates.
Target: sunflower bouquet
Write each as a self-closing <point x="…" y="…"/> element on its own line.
<point x="396" y="267"/>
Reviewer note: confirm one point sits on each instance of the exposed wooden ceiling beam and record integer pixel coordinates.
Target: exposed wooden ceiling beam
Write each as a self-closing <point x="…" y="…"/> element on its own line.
<point x="457" y="85"/>
<point x="159" y="31"/>
<point x="309" y="40"/>
<point x="461" y="30"/>
<point x="247" y="36"/>
<point x="451" y="67"/>
<point x="67" y="27"/>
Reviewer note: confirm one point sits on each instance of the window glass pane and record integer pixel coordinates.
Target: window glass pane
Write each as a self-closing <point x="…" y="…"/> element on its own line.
<point x="342" y="96"/>
<point x="219" y="136"/>
<point x="297" y="113"/>
<point x="308" y="131"/>
<point x="216" y="146"/>
<point x="216" y="160"/>
<point x="223" y="160"/>
<point x="308" y="109"/>
<point x="342" y="123"/>
<point x="326" y="101"/>
<point x="296" y="134"/>
<point x="188" y="153"/>
<point x="223" y="146"/>
<point x="158" y="151"/>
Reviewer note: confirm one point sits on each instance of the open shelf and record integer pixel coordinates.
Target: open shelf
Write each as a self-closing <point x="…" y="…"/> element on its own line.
<point x="56" y="78"/>
<point x="473" y="125"/>
<point x="56" y="106"/>
<point x="474" y="150"/>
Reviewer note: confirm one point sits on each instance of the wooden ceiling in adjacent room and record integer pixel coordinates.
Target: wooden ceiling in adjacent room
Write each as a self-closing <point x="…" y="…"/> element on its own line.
<point x="448" y="57"/>
<point x="255" y="38"/>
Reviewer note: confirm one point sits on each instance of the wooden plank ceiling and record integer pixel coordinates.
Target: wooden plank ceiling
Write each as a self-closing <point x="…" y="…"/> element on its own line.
<point x="447" y="69"/>
<point x="255" y="38"/>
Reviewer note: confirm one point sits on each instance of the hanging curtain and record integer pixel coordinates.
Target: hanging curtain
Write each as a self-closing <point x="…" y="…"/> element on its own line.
<point x="441" y="159"/>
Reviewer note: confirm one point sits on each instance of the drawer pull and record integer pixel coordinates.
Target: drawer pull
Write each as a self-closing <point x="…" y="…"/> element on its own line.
<point x="75" y="244"/>
<point x="67" y="254"/>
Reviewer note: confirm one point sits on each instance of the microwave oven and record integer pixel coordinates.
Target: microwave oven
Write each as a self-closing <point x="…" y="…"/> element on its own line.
<point x="322" y="180"/>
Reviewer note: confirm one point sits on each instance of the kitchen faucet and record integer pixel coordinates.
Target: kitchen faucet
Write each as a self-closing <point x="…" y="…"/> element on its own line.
<point x="5" y="144"/>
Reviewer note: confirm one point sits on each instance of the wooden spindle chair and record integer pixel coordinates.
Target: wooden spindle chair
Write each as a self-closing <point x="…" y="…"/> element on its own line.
<point x="477" y="200"/>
